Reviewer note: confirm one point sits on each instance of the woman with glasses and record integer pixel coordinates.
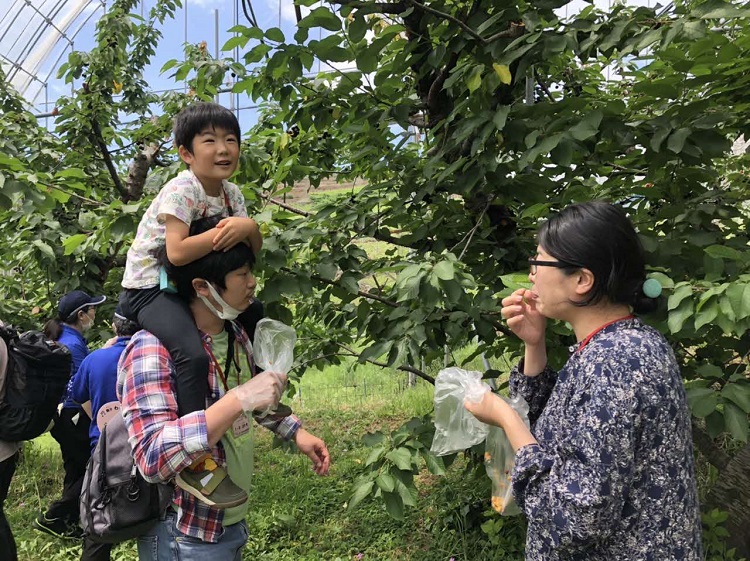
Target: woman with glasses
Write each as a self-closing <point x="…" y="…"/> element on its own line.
<point x="606" y="471"/>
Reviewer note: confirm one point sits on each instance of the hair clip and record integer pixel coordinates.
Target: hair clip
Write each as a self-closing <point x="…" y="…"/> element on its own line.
<point x="652" y="288"/>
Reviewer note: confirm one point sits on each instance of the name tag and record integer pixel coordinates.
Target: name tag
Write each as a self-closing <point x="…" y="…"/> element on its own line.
<point x="240" y="426"/>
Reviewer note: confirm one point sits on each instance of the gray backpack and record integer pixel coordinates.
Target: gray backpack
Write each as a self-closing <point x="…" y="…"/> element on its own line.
<point x="117" y="504"/>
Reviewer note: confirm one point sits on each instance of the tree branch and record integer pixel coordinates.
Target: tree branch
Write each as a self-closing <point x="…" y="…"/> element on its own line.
<point x="708" y="448"/>
<point x="449" y="17"/>
<point x="543" y="86"/>
<point x="403" y="367"/>
<point x="108" y="161"/>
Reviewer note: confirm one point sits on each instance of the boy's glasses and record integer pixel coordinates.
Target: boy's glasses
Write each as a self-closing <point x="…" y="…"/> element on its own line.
<point x="534" y="263"/>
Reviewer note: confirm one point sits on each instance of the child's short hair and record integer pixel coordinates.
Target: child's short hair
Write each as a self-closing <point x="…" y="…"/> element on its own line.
<point x="197" y="117"/>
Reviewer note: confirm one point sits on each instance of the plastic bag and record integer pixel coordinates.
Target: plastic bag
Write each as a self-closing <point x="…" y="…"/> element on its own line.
<point x="273" y="348"/>
<point x="499" y="459"/>
<point x="455" y="428"/>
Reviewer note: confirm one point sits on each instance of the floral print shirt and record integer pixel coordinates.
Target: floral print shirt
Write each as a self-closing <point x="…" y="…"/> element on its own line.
<point x="612" y="476"/>
<point x="184" y="198"/>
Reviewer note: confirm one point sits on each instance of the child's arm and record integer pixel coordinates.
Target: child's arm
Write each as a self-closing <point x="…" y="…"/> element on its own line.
<point x="238" y="229"/>
<point x="183" y="248"/>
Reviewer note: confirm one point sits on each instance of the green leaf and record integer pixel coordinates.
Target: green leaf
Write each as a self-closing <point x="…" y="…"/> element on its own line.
<point x="501" y="116"/>
<point x="72" y="243"/>
<point x="739" y="394"/>
<point x="435" y="464"/>
<point x="679" y="294"/>
<point x="715" y="424"/>
<point x="709" y="371"/>
<point x="321" y="17"/>
<point x="707" y="314"/>
<point x="361" y="492"/>
<point x="677" y="139"/>
<point x="44" y="248"/>
<point x="375" y="455"/>
<point x="386" y="482"/>
<point x="738" y="294"/>
<point x="275" y="34"/>
<point x="407" y="493"/>
<point x="587" y="127"/>
<point x="401" y="457"/>
<point x="702" y="401"/>
<point x="736" y="422"/>
<point x="394" y="506"/>
<point x="678" y="317"/>
<point x="474" y="80"/>
<point x="444" y="270"/>
<point x="724" y="252"/>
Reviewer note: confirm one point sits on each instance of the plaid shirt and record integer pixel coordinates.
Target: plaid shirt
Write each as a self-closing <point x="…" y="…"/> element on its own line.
<point x="165" y="444"/>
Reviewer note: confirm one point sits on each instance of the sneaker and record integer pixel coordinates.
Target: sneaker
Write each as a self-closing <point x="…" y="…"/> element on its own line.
<point x="57" y="527"/>
<point x="210" y="484"/>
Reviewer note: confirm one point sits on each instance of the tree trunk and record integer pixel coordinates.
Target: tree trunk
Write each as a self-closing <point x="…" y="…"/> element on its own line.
<point x="732" y="493"/>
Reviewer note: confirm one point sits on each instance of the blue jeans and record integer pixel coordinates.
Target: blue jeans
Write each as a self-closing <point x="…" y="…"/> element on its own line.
<point x="166" y="543"/>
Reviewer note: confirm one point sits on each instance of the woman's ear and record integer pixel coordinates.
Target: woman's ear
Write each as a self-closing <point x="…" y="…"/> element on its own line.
<point x="585" y="281"/>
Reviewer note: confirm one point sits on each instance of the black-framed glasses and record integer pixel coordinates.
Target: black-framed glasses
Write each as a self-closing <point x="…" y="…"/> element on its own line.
<point x="534" y="263"/>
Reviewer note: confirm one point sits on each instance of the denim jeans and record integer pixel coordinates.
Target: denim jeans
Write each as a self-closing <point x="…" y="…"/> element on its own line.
<point x="166" y="543"/>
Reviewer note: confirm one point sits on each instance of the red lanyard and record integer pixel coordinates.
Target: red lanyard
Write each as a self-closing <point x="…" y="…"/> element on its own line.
<point x="597" y="330"/>
<point x="230" y="212"/>
<point x="222" y="376"/>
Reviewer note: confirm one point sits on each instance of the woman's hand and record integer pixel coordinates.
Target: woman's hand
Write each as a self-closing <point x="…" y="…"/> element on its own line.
<point x="519" y="310"/>
<point x="494" y="410"/>
<point x="489" y="409"/>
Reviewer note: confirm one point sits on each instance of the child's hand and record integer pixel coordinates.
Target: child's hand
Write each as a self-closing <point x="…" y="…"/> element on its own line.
<point x="233" y="230"/>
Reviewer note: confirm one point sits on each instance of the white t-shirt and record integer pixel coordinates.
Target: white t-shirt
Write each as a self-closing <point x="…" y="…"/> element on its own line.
<point x="184" y="198"/>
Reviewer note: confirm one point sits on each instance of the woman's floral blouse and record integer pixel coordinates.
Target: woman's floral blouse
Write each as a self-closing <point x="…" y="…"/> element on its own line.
<point x="612" y="476"/>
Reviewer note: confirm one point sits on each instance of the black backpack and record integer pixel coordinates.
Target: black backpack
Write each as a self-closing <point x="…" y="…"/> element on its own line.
<point x="117" y="503"/>
<point x="36" y="376"/>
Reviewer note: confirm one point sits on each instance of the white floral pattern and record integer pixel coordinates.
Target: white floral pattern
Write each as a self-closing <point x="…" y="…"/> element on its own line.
<point x="612" y="476"/>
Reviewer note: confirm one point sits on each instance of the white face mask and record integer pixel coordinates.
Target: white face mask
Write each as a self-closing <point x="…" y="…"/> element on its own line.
<point x="227" y="313"/>
<point x="86" y="325"/>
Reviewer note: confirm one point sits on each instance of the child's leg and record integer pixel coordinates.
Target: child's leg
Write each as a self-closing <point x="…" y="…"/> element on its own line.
<point x="168" y="317"/>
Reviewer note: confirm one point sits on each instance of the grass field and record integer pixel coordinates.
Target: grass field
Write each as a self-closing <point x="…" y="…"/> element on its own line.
<point x="298" y="516"/>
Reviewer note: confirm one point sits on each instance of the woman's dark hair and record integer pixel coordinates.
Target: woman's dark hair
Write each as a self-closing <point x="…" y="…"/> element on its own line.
<point x="197" y="117"/>
<point x="213" y="267"/>
<point x="598" y="236"/>
<point x="53" y="328"/>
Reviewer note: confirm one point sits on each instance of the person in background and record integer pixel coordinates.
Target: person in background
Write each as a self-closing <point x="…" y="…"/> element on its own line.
<point x="9" y="454"/>
<point x="76" y="315"/>
<point x="607" y="470"/>
<point x="94" y="386"/>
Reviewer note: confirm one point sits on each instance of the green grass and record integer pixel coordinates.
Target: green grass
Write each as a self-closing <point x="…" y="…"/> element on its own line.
<point x="298" y="516"/>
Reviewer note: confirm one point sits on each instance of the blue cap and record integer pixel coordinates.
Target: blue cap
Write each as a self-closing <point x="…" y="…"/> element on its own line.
<point x="73" y="302"/>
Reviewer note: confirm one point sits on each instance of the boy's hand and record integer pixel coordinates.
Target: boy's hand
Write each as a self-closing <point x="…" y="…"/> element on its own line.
<point x="235" y="229"/>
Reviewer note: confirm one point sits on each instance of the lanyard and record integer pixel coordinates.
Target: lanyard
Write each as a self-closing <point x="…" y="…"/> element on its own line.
<point x="230" y="360"/>
<point x="228" y="206"/>
<point x="597" y="330"/>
